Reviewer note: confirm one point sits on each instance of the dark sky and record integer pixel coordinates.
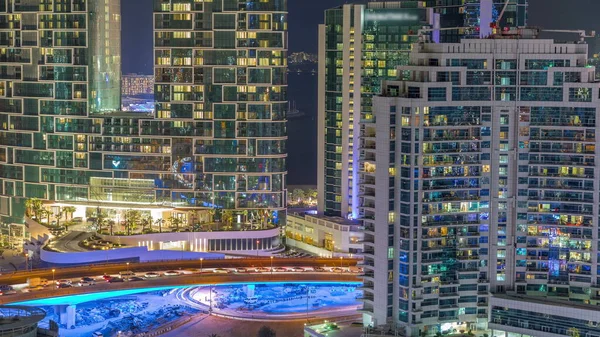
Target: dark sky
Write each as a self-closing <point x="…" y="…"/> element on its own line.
<point x="305" y="15"/>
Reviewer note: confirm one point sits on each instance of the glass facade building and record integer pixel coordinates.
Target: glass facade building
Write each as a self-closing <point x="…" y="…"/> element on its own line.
<point x="220" y="122"/>
<point x="61" y="65"/>
<point x="360" y="45"/>
<point x="477" y="177"/>
<point x="214" y="149"/>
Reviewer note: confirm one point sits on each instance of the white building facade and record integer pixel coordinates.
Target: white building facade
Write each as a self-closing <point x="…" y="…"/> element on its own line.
<point x="323" y="235"/>
<point x="479" y="166"/>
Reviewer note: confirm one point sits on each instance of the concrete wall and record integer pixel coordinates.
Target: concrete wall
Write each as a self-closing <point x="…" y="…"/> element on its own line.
<point x="193" y="240"/>
<point x="141" y="253"/>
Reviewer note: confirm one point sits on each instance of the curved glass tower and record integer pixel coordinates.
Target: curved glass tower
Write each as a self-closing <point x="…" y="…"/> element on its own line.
<point x="61" y="63"/>
<point x="212" y="153"/>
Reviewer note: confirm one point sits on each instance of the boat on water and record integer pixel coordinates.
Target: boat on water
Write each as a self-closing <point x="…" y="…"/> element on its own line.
<point x="293" y="111"/>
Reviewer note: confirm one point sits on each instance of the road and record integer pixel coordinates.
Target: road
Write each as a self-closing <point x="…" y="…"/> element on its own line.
<point x="70" y="242"/>
<point x="183" y="280"/>
<point x="80" y="271"/>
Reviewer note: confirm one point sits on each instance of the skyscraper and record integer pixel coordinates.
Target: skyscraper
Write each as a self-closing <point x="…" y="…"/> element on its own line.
<point x="62" y="68"/>
<point x="213" y="150"/>
<point x="360" y="45"/>
<point x="221" y="92"/>
<point x="477" y="178"/>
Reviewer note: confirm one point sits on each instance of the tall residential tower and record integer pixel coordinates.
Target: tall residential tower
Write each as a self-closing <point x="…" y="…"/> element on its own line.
<point x="478" y="179"/>
<point x="361" y="45"/>
<point x="61" y="71"/>
<point x="221" y="92"/>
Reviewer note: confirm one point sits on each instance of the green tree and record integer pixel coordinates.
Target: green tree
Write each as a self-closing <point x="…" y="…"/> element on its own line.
<point x="175" y="222"/>
<point x="34" y="207"/>
<point x="266" y="331"/>
<point x="312" y="193"/>
<point x="132" y="218"/>
<point x="298" y="195"/>
<point x="159" y="222"/>
<point x="59" y="214"/>
<point x="227" y="217"/>
<point x="44" y="213"/>
<point x="69" y="210"/>
<point x="146" y="222"/>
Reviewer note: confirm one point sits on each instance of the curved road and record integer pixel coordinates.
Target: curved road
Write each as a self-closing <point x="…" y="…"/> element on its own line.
<point x="183" y="280"/>
<point x="81" y="271"/>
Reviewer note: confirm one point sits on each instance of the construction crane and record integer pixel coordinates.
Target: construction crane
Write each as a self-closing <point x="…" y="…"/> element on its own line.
<point x="496" y="25"/>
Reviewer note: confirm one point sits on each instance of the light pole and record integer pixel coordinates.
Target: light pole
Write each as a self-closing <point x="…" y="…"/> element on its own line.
<point x="201" y="259"/>
<point x="53" y="270"/>
<point x="341" y="264"/>
<point x="271" y="265"/>
<point x="128" y="268"/>
<point x="257" y="242"/>
<point x="26" y="261"/>
<point x="210" y="299"/>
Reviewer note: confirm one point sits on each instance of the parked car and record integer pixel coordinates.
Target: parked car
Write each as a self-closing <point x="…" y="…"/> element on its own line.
<point x="298" y="269"/>
<point x="88" y="279"/>
<point x="64" y="285"/>
<point x="240" y="270"/>
<point x="262" y="270"/>
<point x="106" y="277"/>
<point x="6" y="290"/>
<point x="126" y="273"/>
<point x="85" y="283"/>
<point x="151" y="274"/>
<point x="319" y="269"/>
<point x="279" y="269"/>
<point x="63" y="282"/>
<point x="115" y="280"/>
<point x="221" y="271"/>
<point x="171" y="273"/>
<point x="134" y="279"/>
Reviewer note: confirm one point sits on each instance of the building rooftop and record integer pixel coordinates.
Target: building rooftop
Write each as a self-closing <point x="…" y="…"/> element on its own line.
<point x="548" y="301"/>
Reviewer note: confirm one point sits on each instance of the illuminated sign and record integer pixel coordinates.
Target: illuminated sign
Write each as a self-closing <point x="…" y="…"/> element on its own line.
<point x="391" y="16"/>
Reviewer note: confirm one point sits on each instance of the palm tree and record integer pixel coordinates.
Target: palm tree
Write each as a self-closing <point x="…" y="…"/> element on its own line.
<point x="146" y="222"/>
<point x="61" y="212"/>
<point x="175" y="222"/>
<point x="45" y="213"/>
<point x="34" y="206"/>
<point x="132" y="218"/>
<point x="69" y="210"/>
<point x="159" y="222"/>
<point x="227" y="217"/>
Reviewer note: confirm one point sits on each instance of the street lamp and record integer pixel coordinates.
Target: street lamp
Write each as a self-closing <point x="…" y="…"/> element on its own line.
<point x="201" y="259"/>
<point x="257" y="242"/>
<point x="341" y="264"/>
<point x="127" y="267"/>
<point x="271" y="265"/>
<point x="26" y="261"/>
<point x="53" y="270"/>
